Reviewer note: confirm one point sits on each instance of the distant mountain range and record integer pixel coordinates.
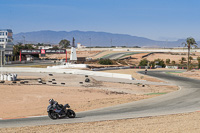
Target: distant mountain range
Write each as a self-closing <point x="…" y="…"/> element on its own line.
<point x="101" y="39"/>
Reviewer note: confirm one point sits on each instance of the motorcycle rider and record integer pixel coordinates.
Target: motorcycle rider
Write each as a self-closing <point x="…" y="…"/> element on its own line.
<point x="145" y="71"/>
<point x="56" y="106"/>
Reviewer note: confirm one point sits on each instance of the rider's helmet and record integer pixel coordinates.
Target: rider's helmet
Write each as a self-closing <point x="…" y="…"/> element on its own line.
<point x="51" y="101"/>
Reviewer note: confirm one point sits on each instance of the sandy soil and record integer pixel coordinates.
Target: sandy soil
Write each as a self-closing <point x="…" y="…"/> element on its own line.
<point x="183" y="123"/>
<point x="81" y="97"/>
<point x="195" y="74"/>
<point x="172" y="56"/>
<point x="180" y="123"/>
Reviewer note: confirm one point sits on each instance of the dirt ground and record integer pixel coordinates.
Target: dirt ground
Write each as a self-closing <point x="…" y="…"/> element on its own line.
<point x="136" y="58"/>
<point x="195" y="74"/>
<point x="81" y="96"/>
<point x="180" y="123"/>
<point x="95" y="98"/>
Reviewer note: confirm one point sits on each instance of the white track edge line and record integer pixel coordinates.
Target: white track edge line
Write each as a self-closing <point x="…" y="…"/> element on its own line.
<point x="36" y="116"/>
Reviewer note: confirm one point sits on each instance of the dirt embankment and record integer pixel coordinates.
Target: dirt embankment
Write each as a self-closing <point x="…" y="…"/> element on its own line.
<point x="180" y="123"/>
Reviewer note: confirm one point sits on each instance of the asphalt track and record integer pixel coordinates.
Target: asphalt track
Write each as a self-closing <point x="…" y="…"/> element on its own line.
<point x="187" y="99"/>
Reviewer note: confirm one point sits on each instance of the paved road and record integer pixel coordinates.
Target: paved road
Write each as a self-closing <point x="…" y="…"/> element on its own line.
<point x="187" y="99"/>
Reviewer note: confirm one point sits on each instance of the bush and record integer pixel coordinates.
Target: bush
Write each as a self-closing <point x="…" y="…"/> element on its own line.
<point x="198" y="59"/>
<point x="143" y="62"/>
<point x="190" y="58"/>
<point x="167" y="61"/>
<point x="182" y="59"/>
<point x="160" y="62"/>
<point x="105" y="62"/>
<point x="173" y="62"/>
<point x="152" y="64"/>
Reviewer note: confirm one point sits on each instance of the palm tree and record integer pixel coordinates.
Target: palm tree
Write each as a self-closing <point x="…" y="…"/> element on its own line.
<point x="190" y="42"/>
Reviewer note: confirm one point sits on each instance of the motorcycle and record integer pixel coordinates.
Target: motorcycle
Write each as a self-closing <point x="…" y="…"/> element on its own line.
<point x="54" y="113"/>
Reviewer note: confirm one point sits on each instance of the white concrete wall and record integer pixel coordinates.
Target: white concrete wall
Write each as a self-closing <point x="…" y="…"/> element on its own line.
<point x="70" y="71"/>
<point x="109" y="68"/>
<point x="172" y="67"/>
<point x="68" y="65"/>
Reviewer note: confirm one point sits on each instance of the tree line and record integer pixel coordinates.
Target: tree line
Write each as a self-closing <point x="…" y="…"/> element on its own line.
<point x="63" y="44"/>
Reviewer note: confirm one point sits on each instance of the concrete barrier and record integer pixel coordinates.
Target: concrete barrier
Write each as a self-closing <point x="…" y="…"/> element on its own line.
<point x="8" y="77"/>
<point x="172" y="67"/>
<point x="69" y="71"/>
<point x="69" y="65"/>
<point x="109" y="68"/>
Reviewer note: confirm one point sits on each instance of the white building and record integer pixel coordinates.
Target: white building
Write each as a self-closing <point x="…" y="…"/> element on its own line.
<point x="79" y="46"/>
<point x="45" y="47"/>
<point x="6" y="42"/>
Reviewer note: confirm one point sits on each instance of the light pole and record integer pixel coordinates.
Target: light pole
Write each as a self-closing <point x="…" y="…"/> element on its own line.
<point x="1" y="61"/>
<point x="24" y="39"/>
<point x="90" y="45"/>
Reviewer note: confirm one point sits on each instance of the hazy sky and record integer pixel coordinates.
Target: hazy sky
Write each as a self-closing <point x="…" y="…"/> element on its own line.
<point x="154" y="19"/>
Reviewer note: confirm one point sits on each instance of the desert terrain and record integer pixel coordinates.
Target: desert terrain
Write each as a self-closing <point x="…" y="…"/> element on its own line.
<point x="184" y="123"/>
<point x="194" y="74"/>
<point x="86" y="96"/>
<point x="81" y="96"/>
<point x="132" y="58"/>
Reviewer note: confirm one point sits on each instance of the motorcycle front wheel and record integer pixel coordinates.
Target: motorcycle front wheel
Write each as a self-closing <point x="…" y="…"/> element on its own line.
<point x="52" y="115"/>
<point x="71" y="113"/>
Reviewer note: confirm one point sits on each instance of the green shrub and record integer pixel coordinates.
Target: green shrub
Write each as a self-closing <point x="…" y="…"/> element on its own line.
<point x="167" y="61"/>
<point x="173" y="62"/>
<point x="152" y="64"/>
<point x="198" y="58"/>
<point x="143" y="62"/>
<point x="182" y="60"/>
<point x="105" y="62"/>
<point x="160" y="62"/>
